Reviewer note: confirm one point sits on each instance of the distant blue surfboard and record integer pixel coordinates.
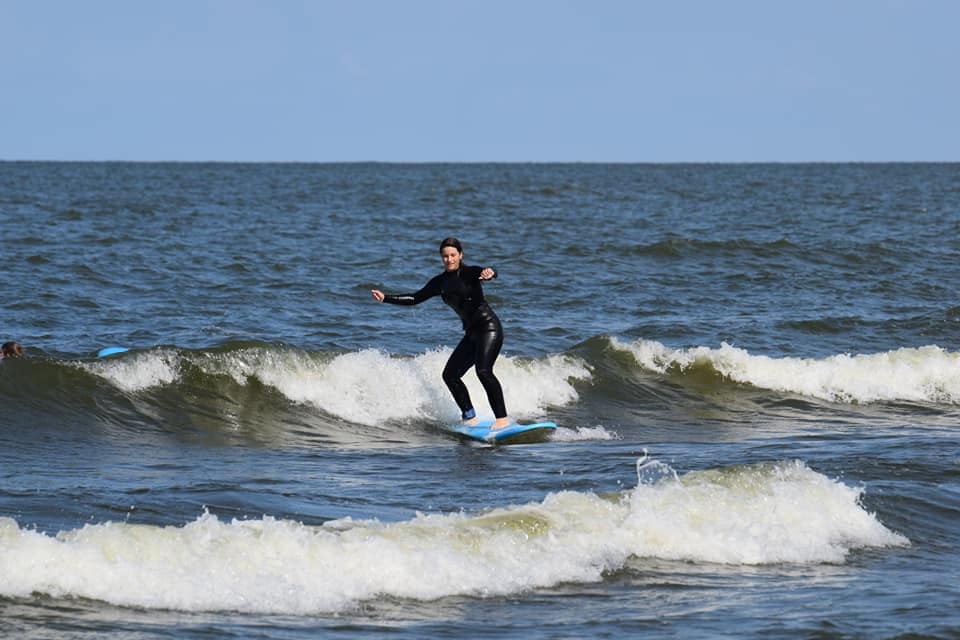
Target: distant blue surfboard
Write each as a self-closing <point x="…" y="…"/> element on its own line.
<point x="513" y="434"/>
<point x="109" y="351"/>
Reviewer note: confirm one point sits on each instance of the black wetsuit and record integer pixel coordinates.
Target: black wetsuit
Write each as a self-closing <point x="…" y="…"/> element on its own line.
<point x="482" y="334"/>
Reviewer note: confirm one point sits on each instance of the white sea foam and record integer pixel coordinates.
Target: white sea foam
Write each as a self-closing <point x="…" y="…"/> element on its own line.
<point x="924" y="374"/>
<point x="138" y="371"/>
<point x="742" y="516"/>
<point x="564" y="434"/>
<point x="370" y="387"/>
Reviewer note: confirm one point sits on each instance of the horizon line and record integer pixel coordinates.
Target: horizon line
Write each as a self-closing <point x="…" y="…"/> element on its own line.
<point x="467" y="162"/>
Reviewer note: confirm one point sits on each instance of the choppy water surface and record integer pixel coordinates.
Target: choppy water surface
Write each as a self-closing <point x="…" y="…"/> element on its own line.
<point x="755" y="370"/>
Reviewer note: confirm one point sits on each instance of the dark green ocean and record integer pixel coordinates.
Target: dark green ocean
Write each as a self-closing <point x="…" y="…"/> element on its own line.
<point x="755" y="370"/>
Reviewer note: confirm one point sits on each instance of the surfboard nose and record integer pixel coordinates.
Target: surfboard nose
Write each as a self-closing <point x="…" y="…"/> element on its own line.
<point x="109" y="351"/>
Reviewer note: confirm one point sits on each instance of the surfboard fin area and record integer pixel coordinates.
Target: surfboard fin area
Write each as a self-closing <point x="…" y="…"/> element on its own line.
<point x="512" y="434"/>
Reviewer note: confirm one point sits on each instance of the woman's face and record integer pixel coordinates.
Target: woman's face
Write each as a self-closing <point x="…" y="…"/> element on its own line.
<point x="451" y="258"/>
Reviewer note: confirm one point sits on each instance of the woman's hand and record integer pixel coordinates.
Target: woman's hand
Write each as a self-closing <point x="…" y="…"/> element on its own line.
<point x="487" y="274"/>
<point x="377" y="295"/>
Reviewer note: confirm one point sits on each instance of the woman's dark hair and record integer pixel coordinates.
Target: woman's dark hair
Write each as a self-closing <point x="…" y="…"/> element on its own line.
<point x="451" y="242"/>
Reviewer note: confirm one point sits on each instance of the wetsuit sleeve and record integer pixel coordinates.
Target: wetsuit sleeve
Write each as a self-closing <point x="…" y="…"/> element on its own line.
<point x="431" y="289"/>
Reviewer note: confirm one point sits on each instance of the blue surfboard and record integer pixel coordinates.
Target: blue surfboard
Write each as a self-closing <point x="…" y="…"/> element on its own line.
<point x="512" y="434"/>
<point x="109" y="351"/>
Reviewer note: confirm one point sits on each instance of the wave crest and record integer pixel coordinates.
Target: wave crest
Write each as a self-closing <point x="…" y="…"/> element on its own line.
<point x="759" y="514"/>
<point x="924" y="374"/>
<point x="366" y="387"/>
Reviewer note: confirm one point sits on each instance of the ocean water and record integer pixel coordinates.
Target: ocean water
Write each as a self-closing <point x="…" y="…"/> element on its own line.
<point x="755" y="370"/>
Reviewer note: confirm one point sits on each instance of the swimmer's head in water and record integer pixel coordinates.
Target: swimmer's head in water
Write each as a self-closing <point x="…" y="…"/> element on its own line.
<point x="11" y="350"/>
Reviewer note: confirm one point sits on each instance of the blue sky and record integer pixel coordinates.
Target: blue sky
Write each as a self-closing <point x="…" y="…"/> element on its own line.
<point x="480" y="80"/>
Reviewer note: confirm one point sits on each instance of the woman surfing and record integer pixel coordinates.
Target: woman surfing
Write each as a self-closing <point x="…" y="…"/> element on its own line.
<point x="459" y="286"/>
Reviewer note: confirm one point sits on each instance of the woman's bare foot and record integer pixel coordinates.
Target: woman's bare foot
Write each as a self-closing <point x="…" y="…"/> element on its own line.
<point x="500" y="423"/>
<point x="470" y="422"/>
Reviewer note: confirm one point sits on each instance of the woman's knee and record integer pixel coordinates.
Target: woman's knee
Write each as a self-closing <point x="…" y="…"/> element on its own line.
<point x="451" y="376"/>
